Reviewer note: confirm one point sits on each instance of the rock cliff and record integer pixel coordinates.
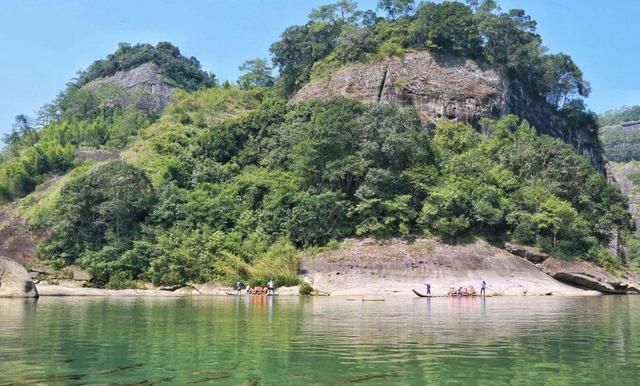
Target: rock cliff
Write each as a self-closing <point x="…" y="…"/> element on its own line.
<point x="143" y="86"/>
<point x="448" y="87"/>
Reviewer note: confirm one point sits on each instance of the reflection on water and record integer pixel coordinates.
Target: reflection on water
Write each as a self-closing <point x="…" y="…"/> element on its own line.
<point x="321" y="341"/>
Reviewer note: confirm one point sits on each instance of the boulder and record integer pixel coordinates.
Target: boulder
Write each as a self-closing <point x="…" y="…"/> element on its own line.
<point x="587" y="275"/>
<point x="532" y="254"/>
<point x="15" y="280"/>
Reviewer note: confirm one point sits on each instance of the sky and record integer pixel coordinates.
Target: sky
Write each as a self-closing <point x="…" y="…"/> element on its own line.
<point x="45" y="43"/>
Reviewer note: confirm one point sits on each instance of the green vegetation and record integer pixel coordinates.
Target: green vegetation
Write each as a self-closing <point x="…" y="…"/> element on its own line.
<point x="88" y="117"/>
<point x="33" y="154"/>
<point x="255" y="73"/>
<point x="238" y="198"/>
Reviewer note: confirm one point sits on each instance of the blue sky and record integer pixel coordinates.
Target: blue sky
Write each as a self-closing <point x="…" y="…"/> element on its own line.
<point x="44" y="43"/>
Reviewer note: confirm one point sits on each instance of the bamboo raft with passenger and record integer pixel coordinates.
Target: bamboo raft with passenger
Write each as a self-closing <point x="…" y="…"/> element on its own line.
<point x="462" y="291"/>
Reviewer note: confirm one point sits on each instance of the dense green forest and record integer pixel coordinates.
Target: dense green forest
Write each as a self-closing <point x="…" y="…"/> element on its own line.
<point x="234" y="182"/>
<point x="206" y="199"/>
<point x="621" y="144"/>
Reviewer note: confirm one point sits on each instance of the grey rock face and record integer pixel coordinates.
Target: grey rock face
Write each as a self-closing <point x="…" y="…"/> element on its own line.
<point x="586" y="275"/>
<point x="449" y="88"/>
<point x="15" y="280"/>
<point x="452" y="88"/>
<point x="532" y="254"/>
<point x="142" y="85"/>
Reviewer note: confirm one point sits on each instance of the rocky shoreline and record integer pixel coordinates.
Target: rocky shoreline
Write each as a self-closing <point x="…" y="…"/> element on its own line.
<point x="396" y="266"/>
<point x="371" y="267"/>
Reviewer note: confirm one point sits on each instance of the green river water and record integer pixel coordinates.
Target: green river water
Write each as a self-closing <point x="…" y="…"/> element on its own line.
<point x="321" y="341"/>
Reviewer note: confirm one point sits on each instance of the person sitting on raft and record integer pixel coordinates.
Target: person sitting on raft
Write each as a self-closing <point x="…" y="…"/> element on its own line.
<point x="452" y="292"/>
<point x="472" y="291"/>
<point x="465" y="292"/>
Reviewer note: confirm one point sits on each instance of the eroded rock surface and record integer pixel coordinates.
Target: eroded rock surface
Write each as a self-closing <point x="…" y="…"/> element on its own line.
<point x="586" y="275"/>
<point x="369" y="266"/>
<point x="143" y="85"/>
<point x="15" y="280"/>
<point x="451" y="88"/>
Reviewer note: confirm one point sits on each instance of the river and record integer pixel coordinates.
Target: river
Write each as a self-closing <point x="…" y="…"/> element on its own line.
<point x="321" y="341"/>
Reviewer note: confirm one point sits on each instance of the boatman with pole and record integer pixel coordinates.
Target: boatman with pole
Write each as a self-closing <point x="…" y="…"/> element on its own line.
<point x="271" y="288"/>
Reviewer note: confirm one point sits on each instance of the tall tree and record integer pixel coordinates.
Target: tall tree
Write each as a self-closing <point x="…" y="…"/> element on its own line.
<point x="396" y="8"/>
<point x="255" y="73"/>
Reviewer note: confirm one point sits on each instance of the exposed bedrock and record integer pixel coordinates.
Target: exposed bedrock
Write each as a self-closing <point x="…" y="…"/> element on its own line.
<point x="370" y="266"/>
<point x="586" y="275"/>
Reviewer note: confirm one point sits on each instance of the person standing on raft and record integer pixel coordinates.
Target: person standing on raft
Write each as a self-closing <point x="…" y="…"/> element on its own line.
<point x="483" y="287"/>
<point x="271" y="288"/>
<point x="428" y="285"/>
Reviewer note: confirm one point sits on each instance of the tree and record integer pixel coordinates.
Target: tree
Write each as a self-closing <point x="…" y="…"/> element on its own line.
<point x="562" y="80"/>
<point x="554" y="217"/>
<point x="396" y="8"/>
<point x="298" y="49"/>
<point x="510" y="39"/>
<point x="22" y="133"/>
<point x="341" y="12"/>
<point x="447" y="27"/>
<point x="102" y="208"/>
<point x="256" y="73"/>
<point x="353" y="43"/>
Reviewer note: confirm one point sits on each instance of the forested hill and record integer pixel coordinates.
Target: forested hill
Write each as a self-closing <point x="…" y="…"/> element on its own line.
<point x="235" y="182"/>
<point x="620" y="134"/>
